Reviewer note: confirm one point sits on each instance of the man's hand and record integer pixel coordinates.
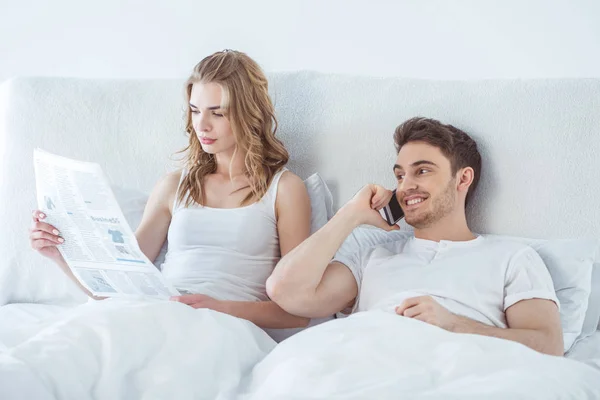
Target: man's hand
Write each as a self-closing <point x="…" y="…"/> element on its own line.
<point x="365" y="206"/>
<point x="534" y="323"/>
<point x="200" y="301"/>
<point x="426" y="309"/>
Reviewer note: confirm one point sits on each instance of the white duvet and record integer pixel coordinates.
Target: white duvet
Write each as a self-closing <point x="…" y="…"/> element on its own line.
<point x="117" y="349"/>
<point x="378" y="355"/>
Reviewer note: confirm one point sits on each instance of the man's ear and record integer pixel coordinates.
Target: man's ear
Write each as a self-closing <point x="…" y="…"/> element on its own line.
<point x="464" y="179"/>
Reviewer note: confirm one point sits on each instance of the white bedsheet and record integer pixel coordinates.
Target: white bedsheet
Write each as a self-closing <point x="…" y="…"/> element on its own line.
<point x="118" y="349"/>
<point x="378" y="355"/>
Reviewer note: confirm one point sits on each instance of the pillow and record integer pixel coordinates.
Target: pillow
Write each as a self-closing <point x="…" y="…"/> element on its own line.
<point x="592" y="318"/>
<point x="132" y="203"/>
<point x="321" y="202"/>
<point x="570" y="263"/>
<point x="596" y="292"/>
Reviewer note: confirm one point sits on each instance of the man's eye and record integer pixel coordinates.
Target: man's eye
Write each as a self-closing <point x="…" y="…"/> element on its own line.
<point x="423" y="171"/>
<point x="399" y="177"/>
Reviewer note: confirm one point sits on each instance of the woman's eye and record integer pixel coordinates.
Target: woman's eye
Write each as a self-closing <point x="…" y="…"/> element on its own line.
<point x="399" y="177"/>
<point x="217" y="115"/>
<point x="194" y="111"/>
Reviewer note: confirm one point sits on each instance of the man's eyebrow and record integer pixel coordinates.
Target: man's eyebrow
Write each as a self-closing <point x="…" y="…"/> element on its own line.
<point x="416" y="164"/>
<point x="423" y="162"/>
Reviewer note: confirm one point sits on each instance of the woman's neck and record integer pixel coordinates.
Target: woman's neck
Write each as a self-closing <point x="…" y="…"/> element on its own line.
<point x="230" y="164"/>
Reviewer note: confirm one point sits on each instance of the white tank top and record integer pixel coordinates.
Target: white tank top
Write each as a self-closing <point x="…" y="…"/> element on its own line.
<point x="225" y="253"/>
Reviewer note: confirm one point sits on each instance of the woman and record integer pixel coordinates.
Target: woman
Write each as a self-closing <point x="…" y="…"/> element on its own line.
<point x="233" y="210"/>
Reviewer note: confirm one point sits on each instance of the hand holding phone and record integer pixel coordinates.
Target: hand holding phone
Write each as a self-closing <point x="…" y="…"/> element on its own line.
<point x="392" y="212"/>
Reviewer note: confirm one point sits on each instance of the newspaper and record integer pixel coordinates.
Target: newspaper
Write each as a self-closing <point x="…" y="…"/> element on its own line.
<point x="100" y="247"/>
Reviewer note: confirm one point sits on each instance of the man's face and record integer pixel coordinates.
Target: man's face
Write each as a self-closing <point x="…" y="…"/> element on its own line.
<point x="427" y="190"/>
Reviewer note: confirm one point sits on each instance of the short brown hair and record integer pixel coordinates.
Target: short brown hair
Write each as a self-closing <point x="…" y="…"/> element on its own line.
<point x="455" y="144"/>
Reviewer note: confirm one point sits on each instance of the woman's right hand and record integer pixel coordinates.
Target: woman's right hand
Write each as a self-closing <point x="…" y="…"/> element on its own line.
<point x="44" y="238"/>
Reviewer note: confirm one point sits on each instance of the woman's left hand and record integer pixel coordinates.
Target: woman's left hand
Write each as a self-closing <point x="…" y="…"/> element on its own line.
<point x="200" y="301"/>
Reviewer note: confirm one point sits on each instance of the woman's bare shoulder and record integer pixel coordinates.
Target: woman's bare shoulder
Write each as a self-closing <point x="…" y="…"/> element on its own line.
<point x="165" y="190"/>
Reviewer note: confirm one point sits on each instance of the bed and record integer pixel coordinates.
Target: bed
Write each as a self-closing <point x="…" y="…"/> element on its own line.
<point x="539" y="141"/>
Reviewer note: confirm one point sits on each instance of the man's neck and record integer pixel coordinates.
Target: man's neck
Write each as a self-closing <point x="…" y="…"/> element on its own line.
<point x="452" y="227"/>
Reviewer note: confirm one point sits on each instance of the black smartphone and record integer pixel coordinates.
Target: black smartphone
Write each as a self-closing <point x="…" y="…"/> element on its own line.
<point x="392" y="212"/>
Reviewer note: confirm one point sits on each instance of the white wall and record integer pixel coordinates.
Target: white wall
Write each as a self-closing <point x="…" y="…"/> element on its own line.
<point x="433" y="39"/>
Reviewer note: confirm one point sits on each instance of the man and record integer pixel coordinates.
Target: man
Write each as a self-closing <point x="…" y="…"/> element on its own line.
<point x="443" y="274"/>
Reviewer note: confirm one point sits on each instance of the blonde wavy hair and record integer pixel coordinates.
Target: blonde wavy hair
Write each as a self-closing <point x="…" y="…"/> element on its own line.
<point x="251" y="114"/>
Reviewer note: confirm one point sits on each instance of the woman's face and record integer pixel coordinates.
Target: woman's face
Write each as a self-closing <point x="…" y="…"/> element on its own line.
<point x="209" y="120"/>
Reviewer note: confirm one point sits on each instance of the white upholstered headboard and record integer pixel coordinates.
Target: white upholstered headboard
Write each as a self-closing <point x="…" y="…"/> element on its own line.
<point x="540" y="141"/>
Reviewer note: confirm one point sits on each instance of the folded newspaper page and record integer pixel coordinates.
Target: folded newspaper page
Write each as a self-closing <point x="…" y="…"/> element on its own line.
<point x="99" y="247"/>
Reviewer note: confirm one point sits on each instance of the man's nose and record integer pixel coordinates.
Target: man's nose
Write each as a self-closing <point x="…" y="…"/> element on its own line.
<point x="407" y="184"/>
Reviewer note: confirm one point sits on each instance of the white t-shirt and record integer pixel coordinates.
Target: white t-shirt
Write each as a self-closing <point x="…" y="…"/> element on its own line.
<point x="478" y="279"/>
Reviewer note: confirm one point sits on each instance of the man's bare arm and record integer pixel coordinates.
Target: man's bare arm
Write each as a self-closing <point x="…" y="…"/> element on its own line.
<point x="304" y="281"/>
<point x="534" y="323"/>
